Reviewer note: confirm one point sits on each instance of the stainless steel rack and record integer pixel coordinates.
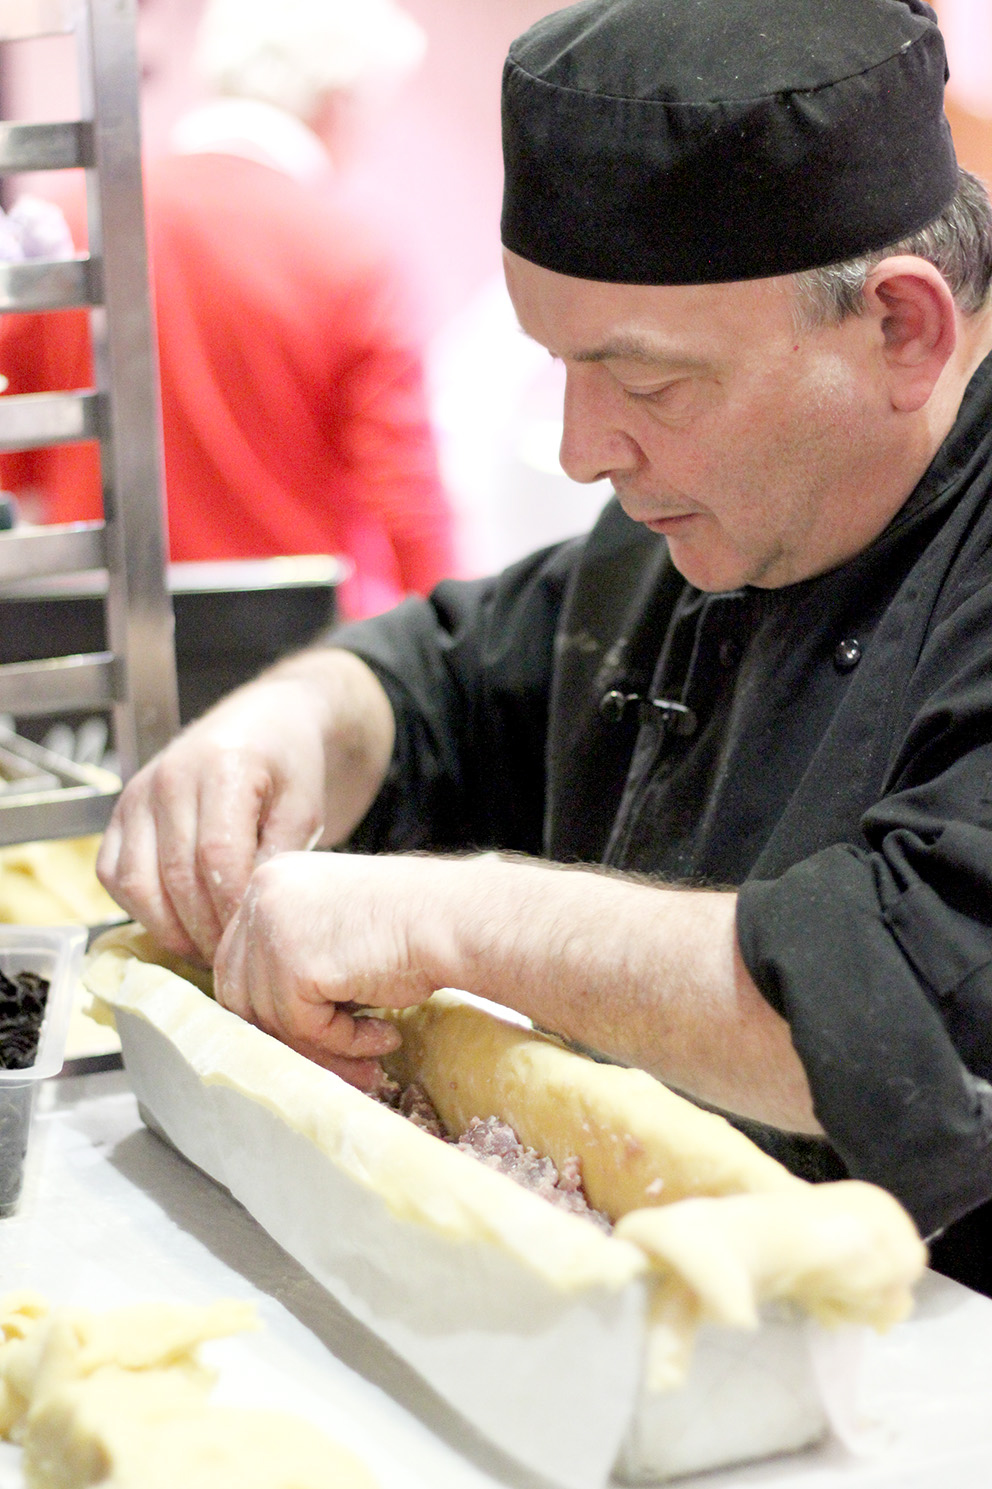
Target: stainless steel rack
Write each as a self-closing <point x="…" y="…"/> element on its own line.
<point x="135" y="678"/>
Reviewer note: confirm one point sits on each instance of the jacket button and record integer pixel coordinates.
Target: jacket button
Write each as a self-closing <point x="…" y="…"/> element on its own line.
<point x="613" y="705"/>
<point x="729" y="653"/>
<point x="847" y="655"/>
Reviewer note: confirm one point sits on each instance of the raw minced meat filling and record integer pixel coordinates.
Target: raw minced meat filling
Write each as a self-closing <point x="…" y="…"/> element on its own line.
<point x="494" y="1143"/>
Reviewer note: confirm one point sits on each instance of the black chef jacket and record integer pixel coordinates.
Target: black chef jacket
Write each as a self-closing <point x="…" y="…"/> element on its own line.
<point x="826" y="747"/>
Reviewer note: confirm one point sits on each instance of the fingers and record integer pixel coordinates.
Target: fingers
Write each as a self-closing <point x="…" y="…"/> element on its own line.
<point x="127" y="866"/>
<point x="367" y="1075"/>
<point x="252" y="779"/>
<point x="209" y="844"/>
<point x="185" y="875"/>
<point x="184" y="839"/>
<point x="267" y="993"/>
<point x="150" y="862"/>
<point x="284" y="995"/>
<point x="332" y="1036"/>
<point x="207" y="853"/>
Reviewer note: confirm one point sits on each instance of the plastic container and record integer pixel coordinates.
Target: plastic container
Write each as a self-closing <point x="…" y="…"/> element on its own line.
<point x="55" y="953"/>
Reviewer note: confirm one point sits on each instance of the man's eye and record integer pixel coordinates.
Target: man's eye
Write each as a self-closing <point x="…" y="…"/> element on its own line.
<point x="655" y="395"/>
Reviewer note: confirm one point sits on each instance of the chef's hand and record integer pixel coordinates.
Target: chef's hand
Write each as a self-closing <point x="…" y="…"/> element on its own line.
<point x="293" y="759"/>
<point x="318" y="933"/>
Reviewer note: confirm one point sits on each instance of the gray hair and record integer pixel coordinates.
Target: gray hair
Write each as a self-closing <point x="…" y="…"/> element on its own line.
<point x="958" y="243"/>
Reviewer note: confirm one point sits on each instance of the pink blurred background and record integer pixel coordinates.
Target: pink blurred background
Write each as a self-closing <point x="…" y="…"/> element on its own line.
<point x="434" y="166"/>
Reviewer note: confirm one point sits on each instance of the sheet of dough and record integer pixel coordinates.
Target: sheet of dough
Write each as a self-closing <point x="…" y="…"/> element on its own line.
<point x="418" y="1178"/>
<point x="639" y="1143"/>
<point x="843" y="1252"/>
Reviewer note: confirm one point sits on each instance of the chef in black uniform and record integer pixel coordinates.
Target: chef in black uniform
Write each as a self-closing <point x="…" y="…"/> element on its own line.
<point x="734" y="748"/>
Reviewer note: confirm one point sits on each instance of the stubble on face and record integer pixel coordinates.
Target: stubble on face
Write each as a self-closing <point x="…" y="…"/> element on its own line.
<point x="780" y="486"/>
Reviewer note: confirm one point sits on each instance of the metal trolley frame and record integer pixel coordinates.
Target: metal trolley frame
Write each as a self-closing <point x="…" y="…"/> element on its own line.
<point x="135" y="679"/>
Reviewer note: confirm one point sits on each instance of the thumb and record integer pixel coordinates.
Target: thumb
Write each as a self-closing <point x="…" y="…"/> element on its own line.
<point x="291" y="825"/>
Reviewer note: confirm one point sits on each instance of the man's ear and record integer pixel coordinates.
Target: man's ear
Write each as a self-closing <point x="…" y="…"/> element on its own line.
<point x="917" y="319"/>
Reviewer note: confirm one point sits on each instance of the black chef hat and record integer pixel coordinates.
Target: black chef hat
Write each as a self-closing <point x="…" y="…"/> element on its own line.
<point x="700" y="141"/>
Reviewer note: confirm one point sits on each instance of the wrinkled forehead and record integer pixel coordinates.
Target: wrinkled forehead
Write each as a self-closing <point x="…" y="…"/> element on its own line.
<point x="680" y="326"/>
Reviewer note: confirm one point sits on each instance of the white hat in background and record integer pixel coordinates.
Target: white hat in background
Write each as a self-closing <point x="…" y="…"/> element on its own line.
<point x="34" y="229"/>
<point x="291" y="53"/>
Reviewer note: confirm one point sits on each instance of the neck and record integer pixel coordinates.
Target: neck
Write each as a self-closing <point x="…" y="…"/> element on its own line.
<point x="974" y="343"/>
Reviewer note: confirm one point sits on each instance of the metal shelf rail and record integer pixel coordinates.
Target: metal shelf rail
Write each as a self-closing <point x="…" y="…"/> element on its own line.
<point x="135" y="679"/>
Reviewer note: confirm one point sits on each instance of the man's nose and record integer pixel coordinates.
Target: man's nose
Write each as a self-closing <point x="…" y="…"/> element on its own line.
<point x="594" y="444"/>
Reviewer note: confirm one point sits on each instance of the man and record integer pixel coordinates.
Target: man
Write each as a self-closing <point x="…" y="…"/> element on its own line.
<point x="767" y="667"/>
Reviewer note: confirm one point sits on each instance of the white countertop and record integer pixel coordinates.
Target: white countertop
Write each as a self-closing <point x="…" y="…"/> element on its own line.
<point x="111" y="1215"/>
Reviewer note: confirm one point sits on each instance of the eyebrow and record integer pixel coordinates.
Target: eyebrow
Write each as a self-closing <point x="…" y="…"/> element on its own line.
<point x="634" y="348"/>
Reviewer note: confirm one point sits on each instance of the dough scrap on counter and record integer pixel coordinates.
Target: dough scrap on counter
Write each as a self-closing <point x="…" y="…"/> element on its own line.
<point x="119" y="1430"/>
<point x="43" y="1348"/>
<point x="120" y="1400"/>
<point x="20" y="1313"/>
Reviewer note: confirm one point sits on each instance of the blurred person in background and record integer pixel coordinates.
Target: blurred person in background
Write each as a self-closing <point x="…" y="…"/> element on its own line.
<point x="295" y="417"/>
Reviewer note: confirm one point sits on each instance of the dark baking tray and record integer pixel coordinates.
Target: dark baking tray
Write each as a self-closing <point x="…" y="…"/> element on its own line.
<point x="232" y="620"/>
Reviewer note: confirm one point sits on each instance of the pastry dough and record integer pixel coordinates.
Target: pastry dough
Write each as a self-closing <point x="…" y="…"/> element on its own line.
<point x="124" y="942"/>
<point x="43" y="1351"/>
<point x="722" y="1226"/>
<point x="844" y="1253"/>
<point x="637" y="1142"/>
<point x="53" y="883"/>
<point x="418" y="1178"/>
<point x="120" y="1400"/>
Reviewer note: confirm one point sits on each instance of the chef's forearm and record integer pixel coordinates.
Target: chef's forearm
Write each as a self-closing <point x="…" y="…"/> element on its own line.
<point x="358" y="728"/>
<point x="648" y="975"/>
